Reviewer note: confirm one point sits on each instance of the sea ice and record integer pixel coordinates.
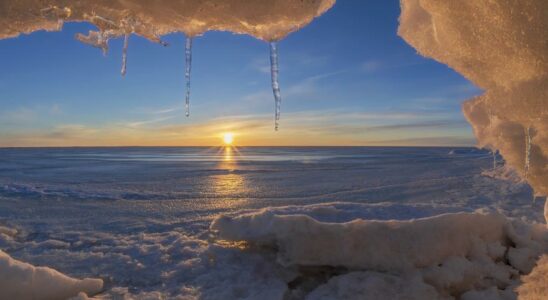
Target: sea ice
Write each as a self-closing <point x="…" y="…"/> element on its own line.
<point x="445" y="256"/>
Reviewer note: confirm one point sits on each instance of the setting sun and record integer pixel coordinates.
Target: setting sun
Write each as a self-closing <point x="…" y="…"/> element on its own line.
<point x="228" y="138"/>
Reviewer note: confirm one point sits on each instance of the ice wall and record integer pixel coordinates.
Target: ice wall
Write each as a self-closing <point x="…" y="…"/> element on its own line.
<point x="502" y="47"/>
<point x="266" y="20"/>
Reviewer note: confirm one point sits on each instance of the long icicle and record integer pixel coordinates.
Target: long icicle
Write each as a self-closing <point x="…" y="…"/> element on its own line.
<point x="493" y="149"/>
<point x="494" y="152"/>
<point x="527" y="150"/>
<point x="274" y="69"/>
<point x="124" y="55"/>
<point x="188" y="68"/>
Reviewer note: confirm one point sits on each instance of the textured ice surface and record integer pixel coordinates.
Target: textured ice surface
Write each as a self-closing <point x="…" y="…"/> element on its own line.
<point x="266" y="20"/>
<point x="535" y="285"/>
<point x="138" y="217"/>
<point x="440" y="257"/>
<point x="502" y="47"/>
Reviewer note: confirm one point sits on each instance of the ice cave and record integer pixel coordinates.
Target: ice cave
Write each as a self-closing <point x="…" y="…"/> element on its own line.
<point x="500" y="46"/>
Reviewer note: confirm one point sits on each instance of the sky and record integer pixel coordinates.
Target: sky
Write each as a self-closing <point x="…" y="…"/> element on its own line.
<point x="346" y="79"/>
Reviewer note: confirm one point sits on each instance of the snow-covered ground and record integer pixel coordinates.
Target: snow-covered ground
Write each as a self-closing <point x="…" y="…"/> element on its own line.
<point x="139" y="219"/>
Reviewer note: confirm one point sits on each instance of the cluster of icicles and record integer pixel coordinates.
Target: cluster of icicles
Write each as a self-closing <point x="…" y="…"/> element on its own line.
<point x="109" y="30"/>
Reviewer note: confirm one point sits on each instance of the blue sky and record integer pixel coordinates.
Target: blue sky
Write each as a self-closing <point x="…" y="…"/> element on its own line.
<point x="346" y="79"/>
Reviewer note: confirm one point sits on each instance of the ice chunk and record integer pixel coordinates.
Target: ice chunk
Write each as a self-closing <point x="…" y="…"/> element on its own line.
<point x="19" y="280"/>
<point x="455" y="253"/>
<point x="274" y="69"/>
<point x="374" y="285"/>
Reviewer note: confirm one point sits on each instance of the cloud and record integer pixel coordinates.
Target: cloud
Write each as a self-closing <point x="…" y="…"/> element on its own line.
<point x="142" y="123"/>
<point x="24" y="116"/>
<point x="322" y="127"/>
<point x="418" y="125"/>
<point x="70" y="131"/>
<point x="371" y="65"/>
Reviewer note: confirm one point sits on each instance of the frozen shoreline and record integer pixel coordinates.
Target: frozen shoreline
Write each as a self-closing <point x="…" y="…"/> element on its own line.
<point x="147" y="236"/>
<point x="327" y="251"/>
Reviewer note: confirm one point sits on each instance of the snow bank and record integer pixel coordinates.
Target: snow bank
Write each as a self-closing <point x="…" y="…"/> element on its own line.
<point x="19" y="280"/>
<point x="266" y="20"/>
<point x="501" y="47"/>
<point x="447" y="255"/>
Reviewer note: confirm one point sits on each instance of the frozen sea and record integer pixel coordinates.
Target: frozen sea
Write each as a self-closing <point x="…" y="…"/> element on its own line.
<point x="139" y="217"/>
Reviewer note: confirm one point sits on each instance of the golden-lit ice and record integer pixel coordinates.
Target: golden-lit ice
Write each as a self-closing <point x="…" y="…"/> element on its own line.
<point x="264" y="19"/>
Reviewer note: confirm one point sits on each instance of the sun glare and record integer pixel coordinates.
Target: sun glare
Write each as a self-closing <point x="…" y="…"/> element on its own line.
<point x="228" y="138"/>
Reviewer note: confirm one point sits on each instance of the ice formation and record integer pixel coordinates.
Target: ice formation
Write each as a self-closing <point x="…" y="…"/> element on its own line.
<point x="124" y="55"/>
<point x="266" y="20"/>
<point x="501" y="47"/>
<point x="466" y="255"/>
<point x="274" y="69"/>
<point x="19" y="280"/>
<point x="188" y="69"/>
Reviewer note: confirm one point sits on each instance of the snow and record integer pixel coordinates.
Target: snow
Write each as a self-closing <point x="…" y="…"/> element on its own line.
<point x="19" y="280"/>
<point x="374" y="285"/>
<point x="501" y="47"/>
<point x="446" y="255"/>
<point x="332" y="250"/>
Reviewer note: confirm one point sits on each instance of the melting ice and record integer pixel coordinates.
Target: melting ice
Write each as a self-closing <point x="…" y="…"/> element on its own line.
<point x="274" y="69"/>
<point x="124" y="55"/>
<point x="188" y="68"/>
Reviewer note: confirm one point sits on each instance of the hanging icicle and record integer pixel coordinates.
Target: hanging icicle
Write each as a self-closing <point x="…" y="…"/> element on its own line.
<point x="493" y="149"/>
<point x="124" y="55"/>
<point x="494" y="152"/>
<point x="188" y="68"/>
<point x="275" y="84"/>
<point x="527" y="150"/>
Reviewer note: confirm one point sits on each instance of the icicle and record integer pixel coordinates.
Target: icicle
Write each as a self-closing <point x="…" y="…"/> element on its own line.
<point x="124" y="55"/>
<point x="188" y="67"/>
<point x="494" y="152"/>
<point x="274" y="69"/>
<point x="527" y="150"/>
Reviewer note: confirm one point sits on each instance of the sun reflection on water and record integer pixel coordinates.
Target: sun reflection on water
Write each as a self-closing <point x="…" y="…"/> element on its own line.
<point x="229" y="187"/>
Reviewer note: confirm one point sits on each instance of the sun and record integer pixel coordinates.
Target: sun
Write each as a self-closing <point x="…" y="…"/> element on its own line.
<point x="228" y="138"/>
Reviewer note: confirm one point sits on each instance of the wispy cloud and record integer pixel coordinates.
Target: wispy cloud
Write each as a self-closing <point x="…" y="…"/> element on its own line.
<point x="322" y="127"/>
<point x="25" y="115"/>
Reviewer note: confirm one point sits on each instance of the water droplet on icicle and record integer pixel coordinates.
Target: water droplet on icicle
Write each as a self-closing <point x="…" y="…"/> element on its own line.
<point x="527" y="151"/>
<point x="124" y="55"/>
<point x="274" y="69"/>
<point x="188" y="68"/>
